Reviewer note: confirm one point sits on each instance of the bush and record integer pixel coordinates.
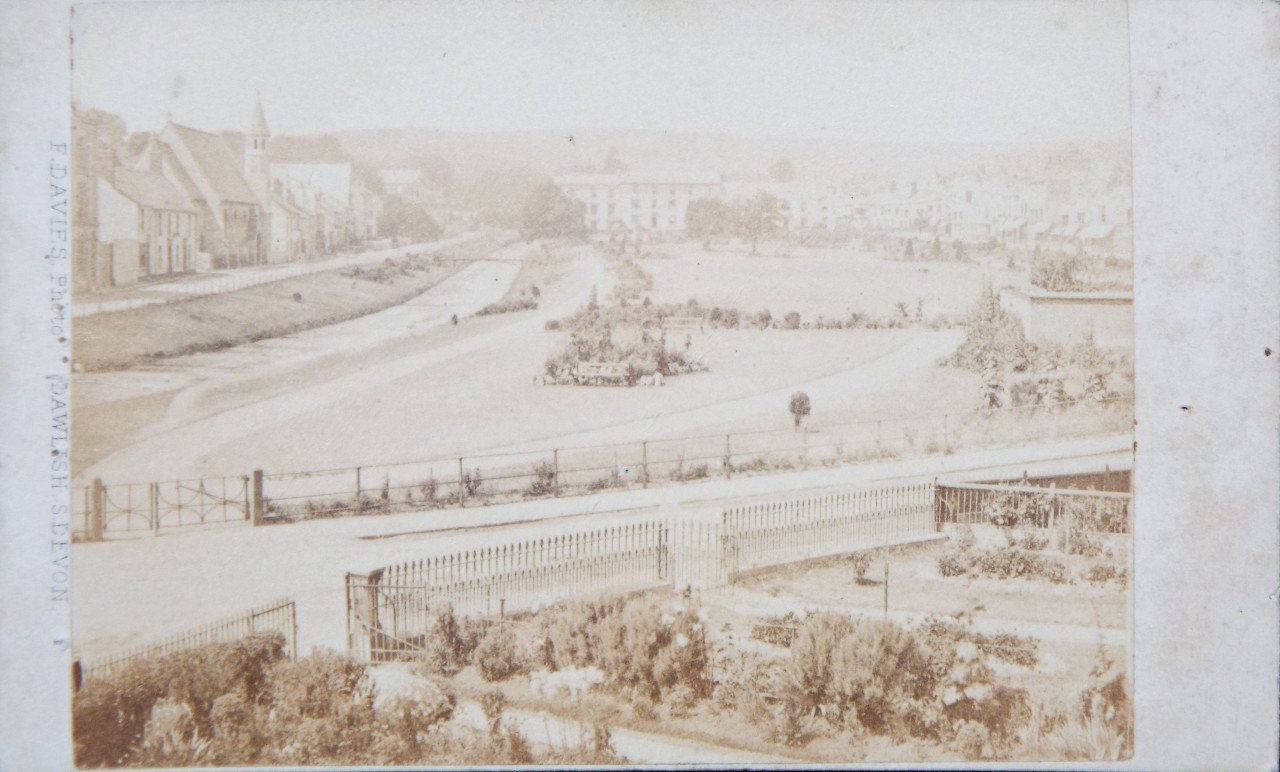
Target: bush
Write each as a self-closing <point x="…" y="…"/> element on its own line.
<point x="955" y="563"/>
<point x="1033" y="542"/>
<point x="1101" y="573"/>
<point x="860" y="562"/>
<point x="791" y="320"/>
<point x="641" y="650"/>
<point x="110" y="714"/>
<point x="449" y="644"/>
<point x="496" y="656"/>
<point x="1005" y="563"/>
<point x="544" y="480"/>
<point x="776" y="630"/>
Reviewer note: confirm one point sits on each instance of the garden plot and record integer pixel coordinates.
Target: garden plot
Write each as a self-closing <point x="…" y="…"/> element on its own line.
<point x="816" y="686"/>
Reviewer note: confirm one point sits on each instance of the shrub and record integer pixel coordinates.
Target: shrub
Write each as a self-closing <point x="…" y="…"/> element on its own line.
<point x="473" y="482"/>
<point x="641" y="650"/>
<point x="862" y="673"/>
<point x="544" y="480"/>
<point x="860" y="562"/>
<point x="1004" y="563"/>
<point x="449" y="644"/>
<point x="110" y="714"/>
<point x="1033" y="542"/>
<point x="791" y="321"/>
<point x="1101" y="573"/>
<point x="496" y="656"/>
<point x="955" y="563"/>
<point x="644" y="708"/>
<point x="776" y="630"/>
<point x="508" y="306"/>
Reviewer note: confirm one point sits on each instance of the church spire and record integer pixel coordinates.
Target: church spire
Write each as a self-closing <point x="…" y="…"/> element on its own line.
<point x="258" y="124"/>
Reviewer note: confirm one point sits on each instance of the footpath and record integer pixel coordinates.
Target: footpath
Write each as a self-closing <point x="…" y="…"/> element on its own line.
<point x="231" y="280"/>
<point x="131" y="592"/>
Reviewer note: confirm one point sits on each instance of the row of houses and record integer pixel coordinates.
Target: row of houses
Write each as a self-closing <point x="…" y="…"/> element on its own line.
<point x="186" y="200"/>
<point x="1014" y="211"/>
<point x="1018" y="212"/>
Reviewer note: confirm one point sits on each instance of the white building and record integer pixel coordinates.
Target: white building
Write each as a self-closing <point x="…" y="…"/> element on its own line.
<point x="633" y="202"/>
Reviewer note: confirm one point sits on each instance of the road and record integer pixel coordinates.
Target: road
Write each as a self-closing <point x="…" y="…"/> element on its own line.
<point x="227" y="398"/>
<point x="126" y="593"/>
<point x="215" y="283"/>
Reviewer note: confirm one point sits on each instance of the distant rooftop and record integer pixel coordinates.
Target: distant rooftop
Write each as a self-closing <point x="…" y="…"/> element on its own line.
<point x="649" y="177"/>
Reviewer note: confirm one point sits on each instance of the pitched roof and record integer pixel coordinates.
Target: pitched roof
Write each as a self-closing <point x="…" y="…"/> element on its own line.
<point x="217" y="163"/>
<point x="150" y="190"/>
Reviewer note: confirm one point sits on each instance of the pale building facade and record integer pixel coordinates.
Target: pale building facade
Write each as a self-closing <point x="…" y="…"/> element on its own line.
<point x="650" y="202"/>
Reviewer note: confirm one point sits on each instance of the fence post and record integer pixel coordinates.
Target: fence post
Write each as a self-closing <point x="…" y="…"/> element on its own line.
<point x="644" y="464"/>
<point x="293" y="630"/>
<point x="359" y="493"/>
<point x="248" y="500"/>
<point x="462" y="485"/>
<point x="97" y="518"/>
<point x="259" y="513"/>
<point x="728" y="459"/>
<point x="153" y="506"/>
<point x="555" y="471"/>
<point x="886" y="587"/>
<point x="946" y="432"/>
<point x="346" y="583"/>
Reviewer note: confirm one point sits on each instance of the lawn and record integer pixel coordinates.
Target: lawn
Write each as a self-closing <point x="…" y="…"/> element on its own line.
<point x="137" y="336"/>
<point x="832" y="283"/>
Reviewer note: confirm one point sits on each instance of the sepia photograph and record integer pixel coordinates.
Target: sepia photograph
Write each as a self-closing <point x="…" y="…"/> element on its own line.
<point x="577" y="383"/>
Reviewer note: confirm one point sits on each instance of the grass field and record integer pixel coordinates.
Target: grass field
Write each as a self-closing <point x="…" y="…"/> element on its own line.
<point x="209" y="323"/>
<point x="832" y="283"/>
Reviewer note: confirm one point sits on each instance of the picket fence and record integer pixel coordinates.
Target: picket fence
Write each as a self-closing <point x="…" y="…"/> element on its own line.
<point x="391" y="611"/>
<point x="278" y="616"/>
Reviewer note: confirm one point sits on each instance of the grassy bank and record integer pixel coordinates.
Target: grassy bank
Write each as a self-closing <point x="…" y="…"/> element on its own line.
<point x="137" y="336"/>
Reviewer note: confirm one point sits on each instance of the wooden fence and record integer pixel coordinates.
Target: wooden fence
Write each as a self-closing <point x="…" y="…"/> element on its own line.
<point x="279" y="616"/>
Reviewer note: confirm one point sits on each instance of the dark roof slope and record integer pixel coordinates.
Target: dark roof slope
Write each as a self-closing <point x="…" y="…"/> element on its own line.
<point x="217" y="163"/>
<point x="150" y="190"/>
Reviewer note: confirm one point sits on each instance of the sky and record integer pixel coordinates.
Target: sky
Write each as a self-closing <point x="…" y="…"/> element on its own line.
<point x="912" y="70"/>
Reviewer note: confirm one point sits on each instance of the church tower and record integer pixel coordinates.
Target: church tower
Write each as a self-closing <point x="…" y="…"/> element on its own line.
<point x="255" y="154"/>
<point x="256" y="174"/>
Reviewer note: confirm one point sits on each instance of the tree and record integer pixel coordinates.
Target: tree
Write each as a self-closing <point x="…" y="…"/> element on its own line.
<point x="759" y="217"/>
<point x="498" y="197"/>
<point x="782" y="171"/>
<point x="408" y="221"/>
<point x="549" y="212"/>
<point x="706" y="218"/>
<point x="799" y="407"/>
